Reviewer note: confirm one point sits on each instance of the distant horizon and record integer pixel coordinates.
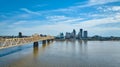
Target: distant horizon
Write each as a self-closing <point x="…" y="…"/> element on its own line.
<point x="98" y="17"/>
<point x="57" y="34"/>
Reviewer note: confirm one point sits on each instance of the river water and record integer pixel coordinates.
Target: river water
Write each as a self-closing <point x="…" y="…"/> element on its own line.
<point x="72" y="53"/>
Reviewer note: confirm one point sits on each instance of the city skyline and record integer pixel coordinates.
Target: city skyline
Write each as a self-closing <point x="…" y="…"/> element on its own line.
<point x="52" y="17"/>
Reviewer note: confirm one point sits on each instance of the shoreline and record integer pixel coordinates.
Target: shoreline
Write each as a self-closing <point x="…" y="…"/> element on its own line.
<point x="87" y="39"/>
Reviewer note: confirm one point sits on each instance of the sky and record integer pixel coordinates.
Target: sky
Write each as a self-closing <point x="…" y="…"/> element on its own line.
<point x="50" y="17"/>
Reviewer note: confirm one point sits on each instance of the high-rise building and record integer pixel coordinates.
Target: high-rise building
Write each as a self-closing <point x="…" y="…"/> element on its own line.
<point x="20" y="35"/>
<point x="61" y="35"/>
<point x="85" y="34"/>
<point x="67" y="36"/>
<point x="74" y="33"/>
<point x="81" y="33"/>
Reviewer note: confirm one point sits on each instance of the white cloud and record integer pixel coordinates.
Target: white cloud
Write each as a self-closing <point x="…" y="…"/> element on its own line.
<point x="87" y="4"/>
<point x="24" y="16"/>
<point x="63" y="19"/>
<point x="109" y="9"/>
<point x="19" y="22"/>
<point x="97" y="2"/>
<point x="94" y="22"/>
<point x="57" y="18"/>
<point x="29" y="11"/>
<point x="116" y="8"/>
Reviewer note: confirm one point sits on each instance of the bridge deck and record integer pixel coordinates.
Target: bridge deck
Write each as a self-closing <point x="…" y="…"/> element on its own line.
<point x="6" y="43"/>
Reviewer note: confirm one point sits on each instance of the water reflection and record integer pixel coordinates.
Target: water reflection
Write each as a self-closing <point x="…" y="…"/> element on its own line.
<point x="35" y="51"/>
<point x="40" y="49"/>
<point x="83" y="48"/>
<point x="85" y="42"/>
<point x="82" y="42"/>
<point x="73" y="45"/>
<point x="68" y="53"/>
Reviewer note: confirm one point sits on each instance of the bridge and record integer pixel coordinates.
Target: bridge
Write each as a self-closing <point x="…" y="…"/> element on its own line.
<point x="11" y="42"/>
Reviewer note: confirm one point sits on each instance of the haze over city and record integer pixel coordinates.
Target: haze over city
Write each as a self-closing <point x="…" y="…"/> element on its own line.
<point x="98" y="17"/>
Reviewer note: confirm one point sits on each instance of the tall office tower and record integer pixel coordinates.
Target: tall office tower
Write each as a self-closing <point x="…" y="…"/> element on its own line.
<point x="20" y="35"/>
<point x="81" y="33"/>
<point x="74" y="33"/>
<point x="85" y="34"/>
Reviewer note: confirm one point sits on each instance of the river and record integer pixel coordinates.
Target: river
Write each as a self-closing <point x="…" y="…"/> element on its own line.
<point x="68" y="53"/>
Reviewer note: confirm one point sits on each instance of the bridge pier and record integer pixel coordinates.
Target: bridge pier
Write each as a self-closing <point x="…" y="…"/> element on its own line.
<point x="52" y="39"/>
<point x="48" y="41"/>
<point x="44" y="42"/>
<point x="35" y="44"/>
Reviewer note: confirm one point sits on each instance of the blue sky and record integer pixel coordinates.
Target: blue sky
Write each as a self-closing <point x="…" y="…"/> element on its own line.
<point x="99" y="17"/>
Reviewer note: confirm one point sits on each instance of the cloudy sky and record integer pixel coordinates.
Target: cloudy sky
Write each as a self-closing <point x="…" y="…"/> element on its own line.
<point x="98" y="17"/>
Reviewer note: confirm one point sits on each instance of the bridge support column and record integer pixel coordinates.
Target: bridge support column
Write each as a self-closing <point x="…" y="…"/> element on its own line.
<point x="52" y="39"/>
<point x="35" y="44"/>
<point x="48" y="41"/>
<point x="44" y="42"/>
